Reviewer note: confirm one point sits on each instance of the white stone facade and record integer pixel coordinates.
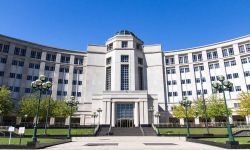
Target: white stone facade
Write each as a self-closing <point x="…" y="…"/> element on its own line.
<point x="124" y="77"/>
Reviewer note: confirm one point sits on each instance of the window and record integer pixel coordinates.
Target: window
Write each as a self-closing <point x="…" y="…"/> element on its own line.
<point x="212" y="78"/>
<point x="227" y="52"/>
<point x="124" y="77"/>
<point x="65" y="59"/>
<point x="108" y="78"/>
<point x="78" y="71"/>
<point x="235" y="75"/>
<point x="248" y="86"/>
<point x="18" y="76"/>
<point x="169" y="60"/>
<point x="229" y="76"/>
<point x="49" y="68"/>
<point x="27" y="90"/>
<point x="3" y="60"/>
<point x="35" y="54"/>
<point x="110" y="46"/>
<point x="64" y="70"/>
<point x="197" y="68"/>
<point x="140" y="78"/>
<point x="6" y="48"/>
<point x="230" y="63"/>
<point x="78" y="61"/>
<point x="1" y="73"/>
<point x="183" y="59"/>
<point x="248" y="47"/>
<point x="17" y="89"/>
<point x="51" y="57"/>
<point x="237" y="88"/>
<point x="212" y="54"/>
<point x="124" y="44"/>
<point x="188" y="81"/>
<point x="242" y="49"/>
<point x="244" y="60"/>
<point x="140" y="61"/>
<point x="184" y="70"/>
<point x="174" y="82"/>
<point x="197" y="57"/>
<point x="108" y="61"/>
<point x="170" y="71"/>
<point x="12" y="75"/>
<point x="247" y="73"/>
<point x="175" y="94"/>
<point x="124" y="58"/>
<point x="170" y="94"/>
<point x="20" y="51"/>
<point x="138" y="46"/>
<point x="236" y="105"/>
<point x="233" y="63"/>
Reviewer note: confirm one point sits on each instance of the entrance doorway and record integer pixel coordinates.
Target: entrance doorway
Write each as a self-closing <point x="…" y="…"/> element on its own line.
<point x="124" y="115"/>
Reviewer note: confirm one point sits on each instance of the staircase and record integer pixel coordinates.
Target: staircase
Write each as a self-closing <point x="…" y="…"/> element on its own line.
<point x="148" y="131"/>
<point x="103" y="131"/>
<point x="135" y="131"/>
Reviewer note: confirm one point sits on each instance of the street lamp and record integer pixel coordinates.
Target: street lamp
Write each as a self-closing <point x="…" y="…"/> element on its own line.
<point x="94" y="115"/>
<point x="25" y="119"/>
<point x="71" y="103"/>
<point x="157" y="115"/>
<point x="39" y="85"/>
<point x="151" y="110"/>
<point x="99" y="110"/>
<point x="47" y="115"/>
<point x="225" y="85"/>
<point x="186" y="104"/>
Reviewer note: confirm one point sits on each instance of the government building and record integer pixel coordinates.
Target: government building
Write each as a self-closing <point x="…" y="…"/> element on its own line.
<point x="126" y="77"/>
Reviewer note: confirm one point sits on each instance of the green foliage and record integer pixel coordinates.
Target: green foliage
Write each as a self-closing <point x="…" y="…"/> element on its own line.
<point x="199" y="108"/>
<point x="179" y="111"/>
<point x="28" y="105"/>
<point x="6" y="103"/>
<point x="244" y="101"/>
<point x="216" y="107"/>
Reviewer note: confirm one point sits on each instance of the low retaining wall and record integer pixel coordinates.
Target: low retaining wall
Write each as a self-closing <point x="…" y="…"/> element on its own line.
<point x="228" y="146"/>
<point x="33" y="146"/>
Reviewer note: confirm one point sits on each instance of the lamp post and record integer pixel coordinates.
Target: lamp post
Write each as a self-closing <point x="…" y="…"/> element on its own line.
<point x="47" y="116"/>
<point x="94" y="115"/>
<point x="186" y="104"/>
<point x="225" y="85"/>
<point x="99" y="110"/>
<point x="25" y="119"/>
<point x="157" y="115"/>
<point x="71" y="103"/>
<point x="39" y="85"/>
<point x="151" y="110"/>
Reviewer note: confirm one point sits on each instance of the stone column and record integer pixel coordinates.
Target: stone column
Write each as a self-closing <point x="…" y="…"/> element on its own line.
<point x="82" y="120"/>
<point x="141" y="112"/>
<point x="52" y="121"/>
<point x="247" y="120"/>
<point x="67" y="121"/>
<point x="113" y="114"/>
<point x="231" y="120"/>
<point x="197" y="121"/>
<point x="182" y="121"/>
<point x="136" y="119"/>
<point x="146" y="113"/>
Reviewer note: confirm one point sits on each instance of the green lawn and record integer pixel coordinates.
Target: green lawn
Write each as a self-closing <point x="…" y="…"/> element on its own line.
<point x="195" y="130"/>
<point x="242" y="140"/>
<point x="25" y="140"/>
<point x="79" y="131"/>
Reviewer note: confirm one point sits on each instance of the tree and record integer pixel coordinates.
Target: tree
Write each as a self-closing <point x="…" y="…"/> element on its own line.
<point x="216" y="107"/>
<point x="6" y="103"/>
<point x="244" y="104"/>
<point x="61" y="109"/>
<point x="179" y="112"/>
<point x="199" y="108"/>
<point x="27" y="106"/>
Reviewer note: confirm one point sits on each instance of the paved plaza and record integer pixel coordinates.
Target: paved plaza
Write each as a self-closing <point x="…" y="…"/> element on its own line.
<point x="129" y="143"/>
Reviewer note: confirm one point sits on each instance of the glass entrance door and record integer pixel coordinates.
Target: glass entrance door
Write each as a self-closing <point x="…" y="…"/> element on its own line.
<point x="124" y="115"/>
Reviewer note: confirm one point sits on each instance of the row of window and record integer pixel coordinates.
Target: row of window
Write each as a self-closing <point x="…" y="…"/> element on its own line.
<point x="234" y="75"/>
<point x="20" y="51"/>
<point x="4" y="48"/>
<point x="64" y="93"/>
<point x="229" y="51"/>
<point x="17" y="63"/>
<point x="244" y="48"/>
<point x="16" y="75"/>
<point x="3" y="60"/>
<point x="245" y="60"/>
<point x="230" y="63"/>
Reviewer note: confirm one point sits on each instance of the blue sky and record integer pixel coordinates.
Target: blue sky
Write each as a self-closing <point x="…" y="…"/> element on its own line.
<point x="176" y="24"/>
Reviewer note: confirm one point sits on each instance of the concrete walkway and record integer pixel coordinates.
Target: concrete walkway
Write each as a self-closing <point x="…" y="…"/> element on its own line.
<point x="129" y="143"/>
